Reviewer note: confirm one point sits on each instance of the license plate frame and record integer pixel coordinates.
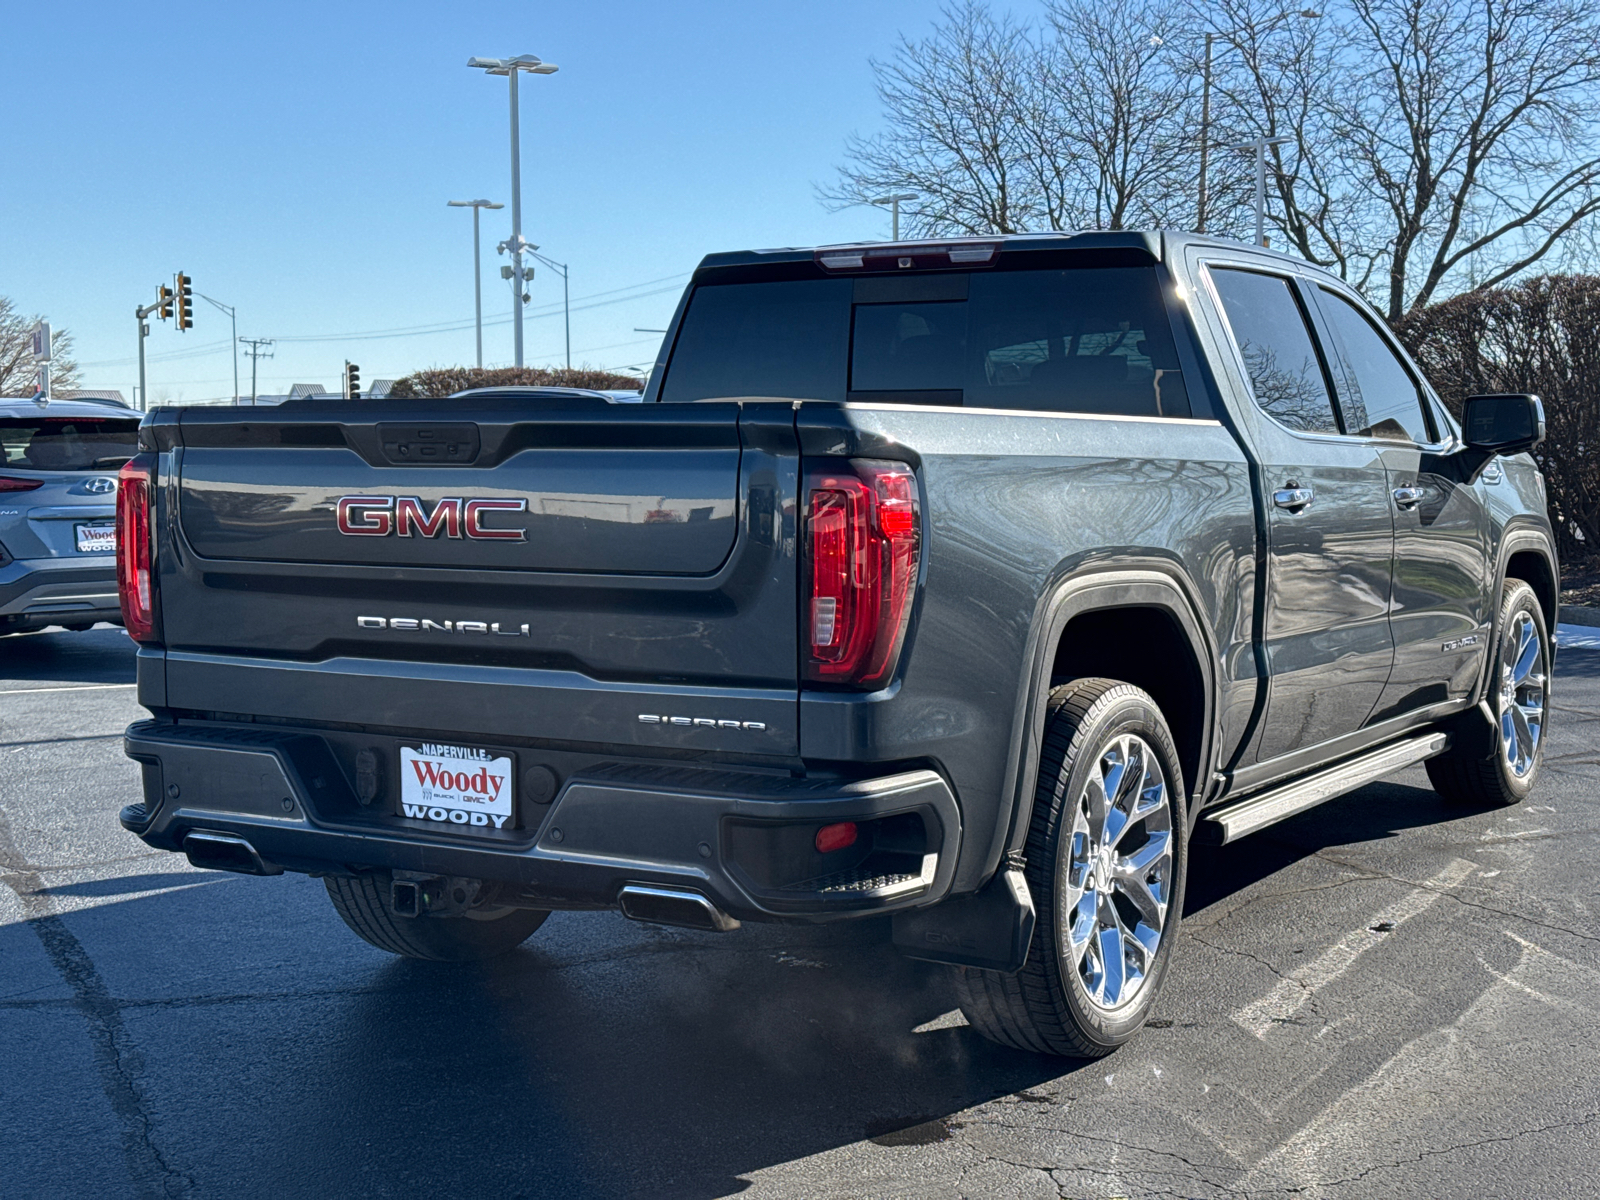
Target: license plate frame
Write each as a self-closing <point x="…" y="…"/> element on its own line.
<point x="101" y="537"/>
<point x="456" y="788"/>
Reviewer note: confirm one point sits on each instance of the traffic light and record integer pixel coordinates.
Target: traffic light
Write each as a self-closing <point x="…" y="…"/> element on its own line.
<point x="164" y="295"/>
<point x="352" y="380"/>
<point x="185" y="299"/>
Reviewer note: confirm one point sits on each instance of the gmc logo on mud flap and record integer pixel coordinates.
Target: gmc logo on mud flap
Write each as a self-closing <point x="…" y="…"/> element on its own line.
<point x="406" y="516"/>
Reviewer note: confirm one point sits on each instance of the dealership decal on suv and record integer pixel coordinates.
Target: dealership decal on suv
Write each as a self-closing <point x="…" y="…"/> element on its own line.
<point x="406" y="516"/>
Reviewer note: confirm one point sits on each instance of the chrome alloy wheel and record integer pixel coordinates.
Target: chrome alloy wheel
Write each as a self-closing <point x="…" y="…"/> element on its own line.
<point x="1118" y="873"/>
<point x="1522" y="694"/>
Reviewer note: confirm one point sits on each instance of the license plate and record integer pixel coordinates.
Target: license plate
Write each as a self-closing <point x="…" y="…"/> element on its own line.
<point x="457" y="786"/>
<point x="97" y="539"/>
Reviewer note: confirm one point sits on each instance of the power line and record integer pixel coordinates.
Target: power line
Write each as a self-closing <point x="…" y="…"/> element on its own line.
<point x="459" y="326"/>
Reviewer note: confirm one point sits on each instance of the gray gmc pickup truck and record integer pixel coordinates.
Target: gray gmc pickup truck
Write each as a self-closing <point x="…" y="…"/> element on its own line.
<point x="963" y="582"/>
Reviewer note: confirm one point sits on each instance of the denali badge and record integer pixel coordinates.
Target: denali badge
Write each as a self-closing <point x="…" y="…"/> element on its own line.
<point x="405" y="516"/>
<point x="701" y="722"/>
<point x="414" y="625"/>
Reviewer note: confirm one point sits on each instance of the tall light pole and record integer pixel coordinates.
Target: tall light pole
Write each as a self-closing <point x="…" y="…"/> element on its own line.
<point x="894" y="203"/>
<point x="233" y="317"/>
<point x="477" y="265"/>
<point x="1259" y="145"/>
<point x="512" y="67"/>
<point x="1305" y="14"/>
<point x="566" y="299"/>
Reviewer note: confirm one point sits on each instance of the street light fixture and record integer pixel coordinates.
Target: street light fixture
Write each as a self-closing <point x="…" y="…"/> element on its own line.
<point x="511" y="68"/>
<point x="894" y="202"/>
<point x="477" y="264"/>
<point x="1305" y="14"/>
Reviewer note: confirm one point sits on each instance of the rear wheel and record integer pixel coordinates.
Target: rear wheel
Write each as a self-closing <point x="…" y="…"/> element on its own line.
<point x="1518" y="694"/>
<point x="362" y="902"/>
<point x="1106" y="856"/>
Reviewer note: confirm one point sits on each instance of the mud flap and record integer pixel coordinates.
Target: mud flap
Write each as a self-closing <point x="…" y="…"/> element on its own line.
<point x="990" y="929"/>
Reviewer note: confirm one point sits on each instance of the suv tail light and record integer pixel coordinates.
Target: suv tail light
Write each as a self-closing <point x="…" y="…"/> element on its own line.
<point x="136" y="547"/>
<point x="9" y="483"/>
<point x="862" y="545"/>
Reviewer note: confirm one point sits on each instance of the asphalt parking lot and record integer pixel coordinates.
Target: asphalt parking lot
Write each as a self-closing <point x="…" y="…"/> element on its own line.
<point x="1381" y="997"/>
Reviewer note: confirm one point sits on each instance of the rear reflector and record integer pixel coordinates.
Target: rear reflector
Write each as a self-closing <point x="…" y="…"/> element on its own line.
<point x="863" y="540"/>
<point x="838" y="836"/>
<point x="136" y="547"/>
<point x="9" y="484"/>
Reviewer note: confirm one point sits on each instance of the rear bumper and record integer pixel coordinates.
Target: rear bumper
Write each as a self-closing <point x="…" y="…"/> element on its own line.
<point x="734" y="836"/>
<point x="50" y="591"/>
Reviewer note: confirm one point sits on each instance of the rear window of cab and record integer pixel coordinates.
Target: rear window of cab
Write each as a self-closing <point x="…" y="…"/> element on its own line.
<point x="1081" y="340"/>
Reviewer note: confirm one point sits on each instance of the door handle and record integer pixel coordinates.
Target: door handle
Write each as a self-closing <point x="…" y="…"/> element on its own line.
<point x="1406" y="497"/>
<point x="1292" y="498"/>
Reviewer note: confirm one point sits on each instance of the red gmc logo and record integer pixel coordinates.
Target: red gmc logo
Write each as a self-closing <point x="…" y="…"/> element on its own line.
<point x="406" y="516"/>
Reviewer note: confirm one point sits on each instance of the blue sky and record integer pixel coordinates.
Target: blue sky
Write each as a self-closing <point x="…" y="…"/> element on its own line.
<point x="295" y="160"/>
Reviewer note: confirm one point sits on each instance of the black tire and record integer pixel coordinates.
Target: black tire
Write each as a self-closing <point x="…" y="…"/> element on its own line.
<point x="1462" y="775"/>
<point x="1047" y="1007"/>
<point x="362" y="902"/>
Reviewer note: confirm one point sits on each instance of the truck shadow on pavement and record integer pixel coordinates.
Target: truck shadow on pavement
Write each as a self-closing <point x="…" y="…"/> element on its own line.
<point x="1373" y="813"/>
<point x="103" y="654"/>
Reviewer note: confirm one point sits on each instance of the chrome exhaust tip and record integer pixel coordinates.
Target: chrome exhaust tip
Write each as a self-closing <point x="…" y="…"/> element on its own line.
<point x="674" y="906"/>
<point x="225" y="852"/>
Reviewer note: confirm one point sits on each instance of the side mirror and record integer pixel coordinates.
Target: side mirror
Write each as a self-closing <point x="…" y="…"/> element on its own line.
<point x="1491" y="425"/>
<point x="1502" y="424"/>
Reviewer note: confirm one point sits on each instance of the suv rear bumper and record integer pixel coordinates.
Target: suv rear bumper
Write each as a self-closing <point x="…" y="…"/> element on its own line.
<point x="39" y="592"/>
<point x="736" y="837"/>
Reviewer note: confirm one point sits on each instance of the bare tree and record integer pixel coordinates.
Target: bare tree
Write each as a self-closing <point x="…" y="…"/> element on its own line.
<point x="1083" y="121"/>
<point x="17" y="369"/>
<point x="1434" y="142"/>
<point x="1118" y="116"/>
<point x="956" y="134"/>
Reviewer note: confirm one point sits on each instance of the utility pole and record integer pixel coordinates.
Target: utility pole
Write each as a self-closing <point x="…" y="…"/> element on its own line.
<point x="477" y="264"/>
<point x="1259" y="145"/>
<point x="1205" y="135"/>
<point x="512" y="67"/>
<point x="566" y="300"/>
<point x="232" y="317"/>
<point x="894" y="203"/>
<point x="255" y="352"/>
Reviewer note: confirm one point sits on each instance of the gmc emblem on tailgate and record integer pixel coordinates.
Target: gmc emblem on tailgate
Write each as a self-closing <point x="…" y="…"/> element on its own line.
<point x="405" y="516"/>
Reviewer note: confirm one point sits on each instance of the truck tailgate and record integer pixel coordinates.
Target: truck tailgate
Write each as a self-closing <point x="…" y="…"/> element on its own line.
<point x="590" y="553"/>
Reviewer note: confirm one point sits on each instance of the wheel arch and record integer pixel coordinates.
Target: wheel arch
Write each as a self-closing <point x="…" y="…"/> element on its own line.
<point x="1154" y="603"/>
<point x="1527" y="552"/>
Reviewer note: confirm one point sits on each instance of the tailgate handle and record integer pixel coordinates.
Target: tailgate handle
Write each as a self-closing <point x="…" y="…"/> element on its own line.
<point x="433" y="445"/>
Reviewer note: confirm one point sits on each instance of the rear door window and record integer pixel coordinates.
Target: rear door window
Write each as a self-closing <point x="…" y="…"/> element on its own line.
<point x="47" y="443"/>
<point x="1286" y="376"/>
<point x="1380" y="397"/>
<point x="1081" y="340"/>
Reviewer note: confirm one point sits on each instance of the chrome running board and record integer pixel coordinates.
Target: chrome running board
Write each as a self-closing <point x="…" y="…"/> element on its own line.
<point x="1230" y="822"/>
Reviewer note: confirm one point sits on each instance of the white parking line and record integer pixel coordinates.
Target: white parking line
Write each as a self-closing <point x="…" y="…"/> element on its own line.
<point x="82" y="687"/>
<point x="1292" y="993"/>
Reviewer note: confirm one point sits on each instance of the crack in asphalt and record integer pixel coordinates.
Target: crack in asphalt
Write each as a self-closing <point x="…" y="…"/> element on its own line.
<point x="1450" y="894"/>
<point x="114" y="1053"/>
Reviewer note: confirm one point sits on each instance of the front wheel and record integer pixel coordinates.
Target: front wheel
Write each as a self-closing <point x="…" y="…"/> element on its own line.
<point x="362" y="902"/>
<point x="1106" y="856"/>
<point x="1519" y="692"/>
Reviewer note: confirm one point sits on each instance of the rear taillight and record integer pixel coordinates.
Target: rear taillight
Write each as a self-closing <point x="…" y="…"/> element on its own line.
<point x="11" y="484"/>
<point x="862" y="542"/>
<point x="136" y="547"/>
